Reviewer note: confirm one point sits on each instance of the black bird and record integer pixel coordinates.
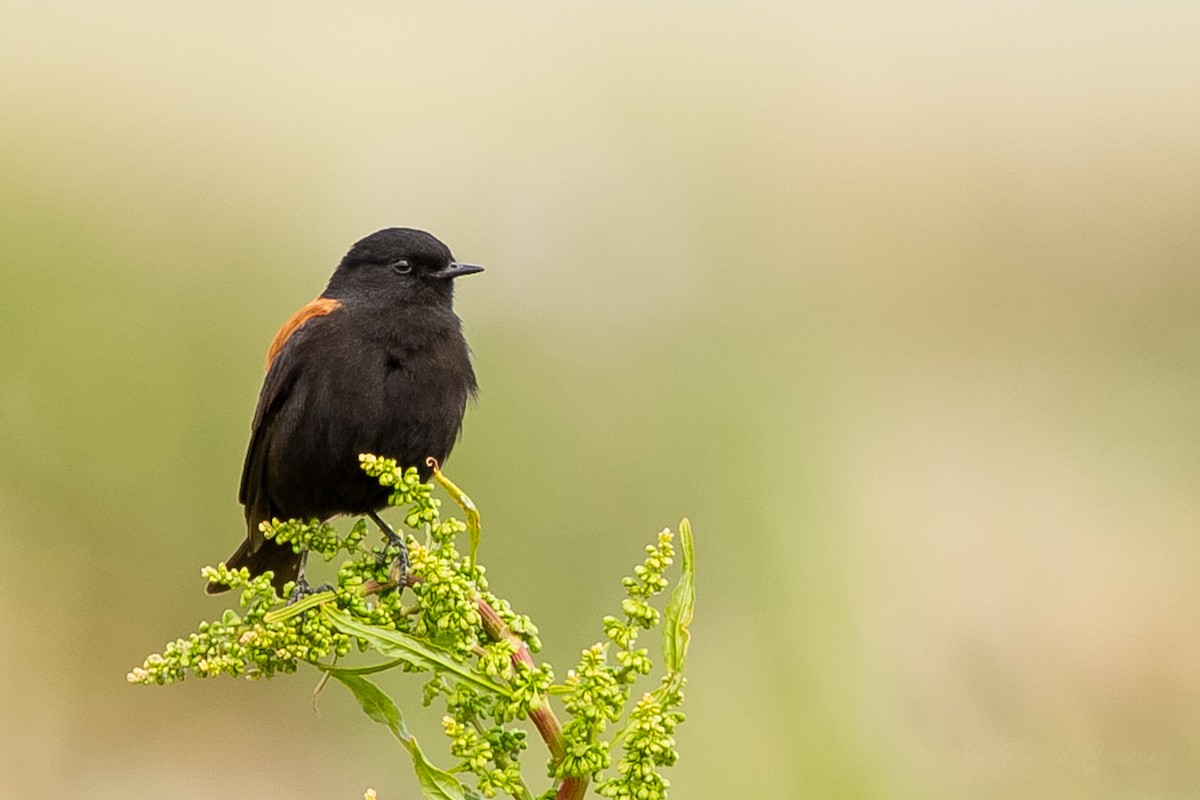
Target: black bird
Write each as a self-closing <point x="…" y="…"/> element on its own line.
<point x="376" y="364"/>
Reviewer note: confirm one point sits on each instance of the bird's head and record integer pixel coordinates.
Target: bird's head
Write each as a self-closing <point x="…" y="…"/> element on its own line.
<point x="404" y="264"/>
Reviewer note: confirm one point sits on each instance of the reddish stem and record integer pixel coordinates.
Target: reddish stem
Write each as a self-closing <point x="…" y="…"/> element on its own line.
<point x="542" y="717"/>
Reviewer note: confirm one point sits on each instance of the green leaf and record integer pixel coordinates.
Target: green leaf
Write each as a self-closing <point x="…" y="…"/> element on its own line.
<point x="368" y="670"/>
<point x="299" y="607"/>
<point x="417" y="652"/>
<point x="374" y="701"/>
<point x="436" y="784"/>
<point x="474" y="529"/>
<point x="683" y="600"/>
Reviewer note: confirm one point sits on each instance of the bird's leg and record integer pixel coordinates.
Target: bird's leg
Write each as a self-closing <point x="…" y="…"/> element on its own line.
<point x="400" y="568"/>
<point x="302" y="590"/>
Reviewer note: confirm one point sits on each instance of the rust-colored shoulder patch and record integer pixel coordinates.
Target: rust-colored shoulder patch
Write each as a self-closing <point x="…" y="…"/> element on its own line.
<point x="317" y="308"/>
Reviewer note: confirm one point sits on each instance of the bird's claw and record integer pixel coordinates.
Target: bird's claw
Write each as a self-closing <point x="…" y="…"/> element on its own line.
<point x="398" y="573"/>
<point x="302" y="590"/>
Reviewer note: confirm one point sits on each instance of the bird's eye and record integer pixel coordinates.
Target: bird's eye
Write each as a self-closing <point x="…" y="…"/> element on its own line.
<point x="402" y="267"/>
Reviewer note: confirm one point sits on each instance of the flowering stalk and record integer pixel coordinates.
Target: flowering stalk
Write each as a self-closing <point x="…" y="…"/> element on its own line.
<point x="477" y="652"/>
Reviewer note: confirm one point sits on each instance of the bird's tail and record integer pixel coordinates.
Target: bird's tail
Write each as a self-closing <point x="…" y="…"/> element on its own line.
<point x="281" y="559"/>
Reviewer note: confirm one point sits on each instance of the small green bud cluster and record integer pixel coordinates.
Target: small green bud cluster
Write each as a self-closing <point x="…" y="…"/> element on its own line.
<point x="529" y="686"/>
<point x="490" y="751"/>
<point x="446" y="596"/>
<point x="594" y="699"/>
<point x="649" y="744"/>
<point x="247" y="644"/>
<point x="383" y="609"/>
<point x="597" y="691"/>
<point x="647" y="581"/>
<point x="478" y="750"/>
<point x="314" y="536"/>
<point x="519" y="624"/>
<point x="407" y="489"/>
<point x="475" y="721"/>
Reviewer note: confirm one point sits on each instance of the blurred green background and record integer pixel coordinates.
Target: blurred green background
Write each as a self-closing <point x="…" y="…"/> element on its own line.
<point x="900" y="304"/>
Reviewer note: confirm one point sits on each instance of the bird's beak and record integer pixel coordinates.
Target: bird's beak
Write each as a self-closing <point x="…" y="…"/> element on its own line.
<point x="456" y="269"/>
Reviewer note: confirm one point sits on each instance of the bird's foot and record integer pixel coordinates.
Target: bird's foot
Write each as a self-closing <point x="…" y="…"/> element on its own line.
<point x="398" y="573"/>
<point x="302" y="590"/>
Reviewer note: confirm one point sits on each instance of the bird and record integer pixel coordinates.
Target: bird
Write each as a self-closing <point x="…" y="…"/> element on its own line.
<point x="376" y="364"/>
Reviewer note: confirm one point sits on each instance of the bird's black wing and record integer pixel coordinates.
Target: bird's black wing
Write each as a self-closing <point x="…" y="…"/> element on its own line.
<point x="253" y="493"/>
<point x="285" y="368"/>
